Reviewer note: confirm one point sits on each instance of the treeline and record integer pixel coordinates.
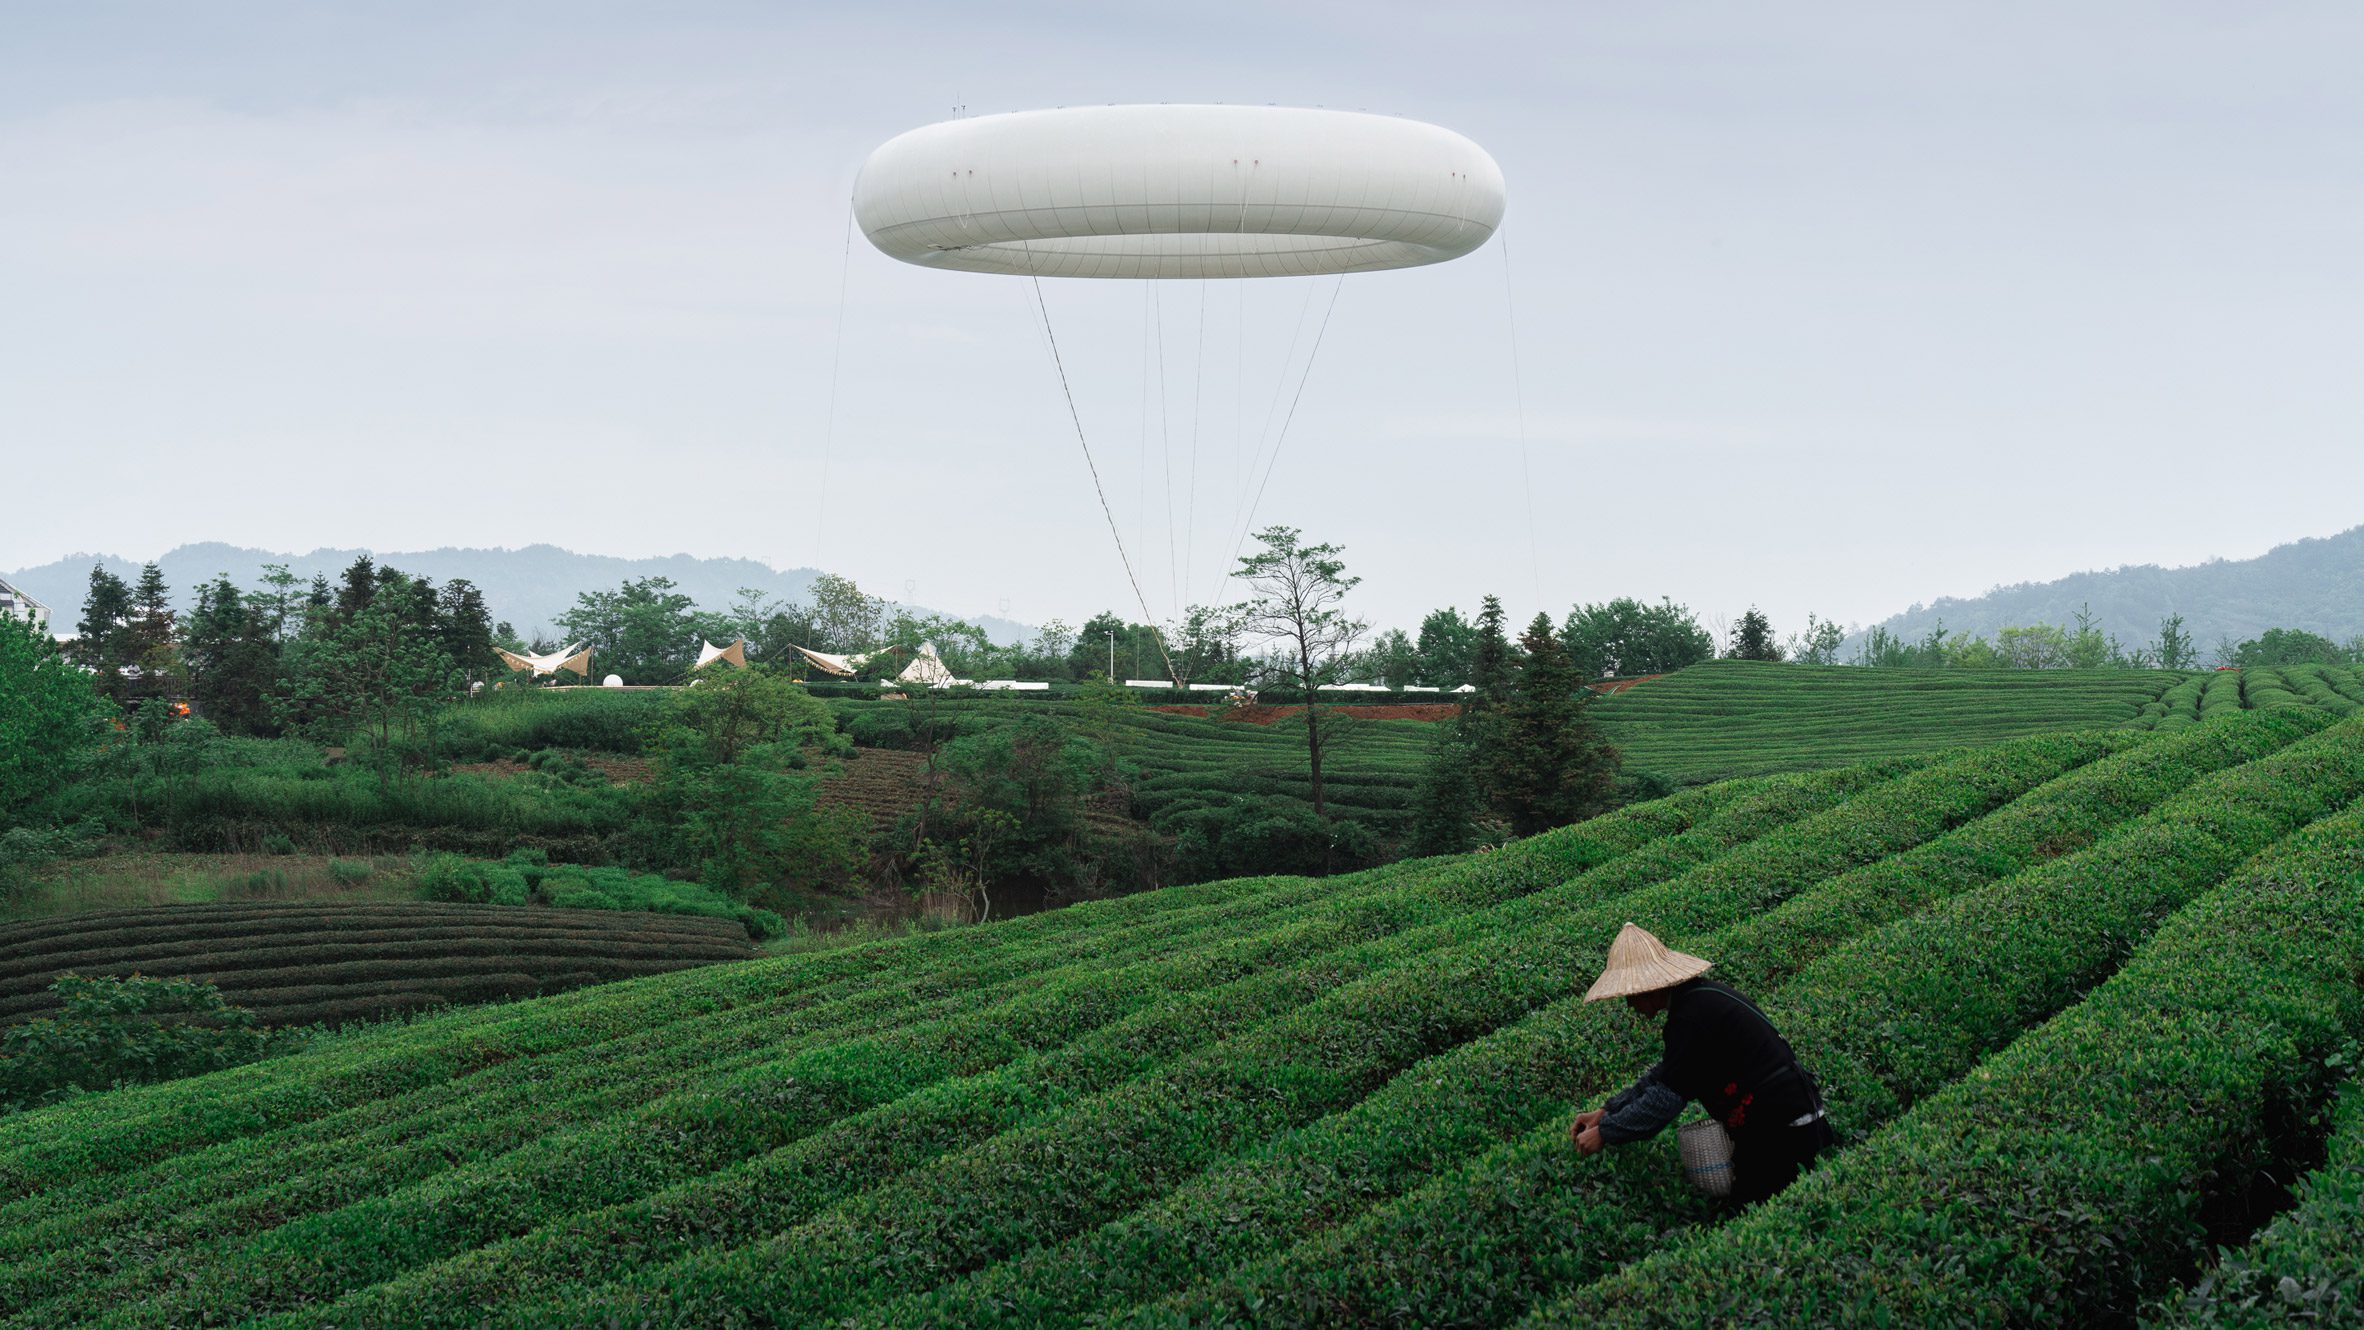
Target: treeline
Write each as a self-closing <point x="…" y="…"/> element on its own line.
<point x="372" y="654"/>
<point x="2082" y="646"/>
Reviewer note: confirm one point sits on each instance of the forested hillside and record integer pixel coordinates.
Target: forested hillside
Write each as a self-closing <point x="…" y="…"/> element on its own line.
<point x="2315" y="584"/>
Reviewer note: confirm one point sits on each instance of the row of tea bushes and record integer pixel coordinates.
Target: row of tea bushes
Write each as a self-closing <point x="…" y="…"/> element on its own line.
<point x="2307" y="1266"/>
<point x="301" y="963"/>
<point x="1479" y="1245"/>
<point x="2072" y="1171"/>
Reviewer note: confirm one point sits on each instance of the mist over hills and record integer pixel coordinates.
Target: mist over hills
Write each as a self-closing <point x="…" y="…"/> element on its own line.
<point x="2316" y="584"/>
<point x="528" y="587"/>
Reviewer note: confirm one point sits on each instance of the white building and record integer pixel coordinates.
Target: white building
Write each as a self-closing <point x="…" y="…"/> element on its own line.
<point x="19" y="605"/>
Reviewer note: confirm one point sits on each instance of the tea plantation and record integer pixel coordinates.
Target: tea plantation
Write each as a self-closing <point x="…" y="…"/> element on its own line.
<point x="1735" y="718"/>
<point x="300" y="963"/>
<point x="2073" y="997"/>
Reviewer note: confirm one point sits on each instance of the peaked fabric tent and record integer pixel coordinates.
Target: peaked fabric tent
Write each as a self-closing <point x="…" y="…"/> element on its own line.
<point x="841" y="666"/>
<point x="576" y="658"/>
<point x="926" y="669"/>
<point x="734" y="654"/>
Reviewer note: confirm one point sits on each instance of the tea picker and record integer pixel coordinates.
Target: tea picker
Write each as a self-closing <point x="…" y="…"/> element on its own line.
<point x="1765" y="1121"/>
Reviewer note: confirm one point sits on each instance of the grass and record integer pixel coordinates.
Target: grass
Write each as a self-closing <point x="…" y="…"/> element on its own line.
<point x="150" y="877"/>
<point x="1281" y="1101"/>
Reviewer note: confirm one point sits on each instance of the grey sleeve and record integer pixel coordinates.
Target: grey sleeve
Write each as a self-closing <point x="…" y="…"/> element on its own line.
<point x="1641" y="1111"/>
<point x="1634" y="1091"/>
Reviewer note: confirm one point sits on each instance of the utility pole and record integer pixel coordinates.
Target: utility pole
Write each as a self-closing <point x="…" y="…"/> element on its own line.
<point x="1112" y="657"/>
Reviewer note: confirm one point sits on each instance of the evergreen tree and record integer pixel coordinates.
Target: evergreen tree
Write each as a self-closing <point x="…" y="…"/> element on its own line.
<point x="358" y="587"/>
<point x="99" y="643"/>
<point x="464" y="628"/>
<point x="1491" y="663"/>
<point x="150" y="640"/>
<point x="1752" y="638"/>
<point x="373" y="682"/>
<point x="232" y="655"/>
<point x="1451" y="795"/>
<point x="318" y="603"/>
<point x="1544" y="766"/>
<point x="2174" y="649"/>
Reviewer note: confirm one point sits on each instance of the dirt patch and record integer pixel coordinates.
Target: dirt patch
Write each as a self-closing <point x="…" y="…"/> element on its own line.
<point x="1612" y="686"/>
<point x="1266" y="715"/>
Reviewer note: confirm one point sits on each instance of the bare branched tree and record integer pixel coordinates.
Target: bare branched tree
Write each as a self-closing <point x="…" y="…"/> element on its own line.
<point x="1296" y="608"/>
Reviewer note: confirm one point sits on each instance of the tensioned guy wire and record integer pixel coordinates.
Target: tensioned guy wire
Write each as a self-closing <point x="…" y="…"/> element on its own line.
<point x="1059" y="363"/>
<point x="1283" y="437"/>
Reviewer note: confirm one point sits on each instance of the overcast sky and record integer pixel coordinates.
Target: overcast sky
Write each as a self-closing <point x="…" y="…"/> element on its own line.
<point x="1822" y="307"/>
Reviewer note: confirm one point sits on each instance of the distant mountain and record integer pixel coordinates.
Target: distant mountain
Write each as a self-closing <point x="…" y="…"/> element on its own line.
<point x="2315" y="584"/>
<point x="528" y="587"/>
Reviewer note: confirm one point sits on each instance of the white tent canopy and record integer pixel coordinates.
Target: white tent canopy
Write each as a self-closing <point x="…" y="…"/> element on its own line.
<point x="576" y="658"/>
<point x="841" y="666"/>
<point x="734" y="654"/>
<point x="1178" y="191"/>
<point x="926" y="669"/>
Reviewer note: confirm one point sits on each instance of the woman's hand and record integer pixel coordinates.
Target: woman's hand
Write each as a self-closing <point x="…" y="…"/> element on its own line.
<point x="1586" y="1132"/>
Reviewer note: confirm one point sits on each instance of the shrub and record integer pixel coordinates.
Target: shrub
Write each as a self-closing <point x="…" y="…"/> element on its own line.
<point x="124" y="1031"/>
<point x="346" y="873"/>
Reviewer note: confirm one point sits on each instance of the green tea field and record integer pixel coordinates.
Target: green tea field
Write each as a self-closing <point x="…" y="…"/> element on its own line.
<point x="1736" y="718"/>
<point x="299" y="963"/>
<point x="1344" y="1102"/>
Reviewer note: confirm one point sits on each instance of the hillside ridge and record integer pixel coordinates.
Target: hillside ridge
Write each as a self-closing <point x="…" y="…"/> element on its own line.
<point x="2315" y="583"/>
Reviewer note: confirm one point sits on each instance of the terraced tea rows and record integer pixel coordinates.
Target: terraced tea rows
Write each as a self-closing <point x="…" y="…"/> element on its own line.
<point x="295" y="964"/>
<point x="1732" y="717"/>
<point x="1290" y="1102"/>
<point x="1727" y="717"/>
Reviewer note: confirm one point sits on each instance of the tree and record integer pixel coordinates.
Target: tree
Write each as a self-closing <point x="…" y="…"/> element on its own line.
<point x="150" y="643"/>
<point x="232" y="657"/>
<point x="2173" y="649"/>
<point x="2088" y="648"/>
<point x="1820" y="643"/>
<point x="279" y="602"/>
<point x="50" y="721"/>
<point x="1446" y="644"/>
<point x="642" y="631"/>
<point x="1296" y="605"/>
<point x="1752" y="638"/>
<point x="1391" y="660"/>
<point x="2040" y="646"/>
<point x="734" y="787"/>
<point x="1539" y="762"/>
<point x="464" y="629"/>
<point x="99" y="645"/>
<point x="1492" y="662"/>
<point x="372" y="681"/>
<point x="2288" y="646"/>
<point x="845" y="618"/>
<point x="1625" y="637"/>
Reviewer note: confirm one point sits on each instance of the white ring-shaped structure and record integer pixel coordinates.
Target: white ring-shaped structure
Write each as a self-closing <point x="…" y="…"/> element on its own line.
<point x="1178" y="191"/>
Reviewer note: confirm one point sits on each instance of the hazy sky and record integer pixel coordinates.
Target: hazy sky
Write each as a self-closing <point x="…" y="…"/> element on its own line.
<point x="1825" y="307"/>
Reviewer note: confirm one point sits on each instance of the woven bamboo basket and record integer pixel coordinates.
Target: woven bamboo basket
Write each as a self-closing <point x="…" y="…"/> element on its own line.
<point x="1707" y="1155"/>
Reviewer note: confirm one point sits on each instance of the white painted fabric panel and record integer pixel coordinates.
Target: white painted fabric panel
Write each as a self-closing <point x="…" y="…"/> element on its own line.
<point x="1178" y="191"/>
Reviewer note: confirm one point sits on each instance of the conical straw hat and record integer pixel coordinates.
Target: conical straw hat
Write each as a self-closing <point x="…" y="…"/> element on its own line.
<point x="1640" y="963"/>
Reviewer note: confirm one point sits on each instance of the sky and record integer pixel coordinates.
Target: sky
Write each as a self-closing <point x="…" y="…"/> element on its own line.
<point x="1825" y="308"/>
